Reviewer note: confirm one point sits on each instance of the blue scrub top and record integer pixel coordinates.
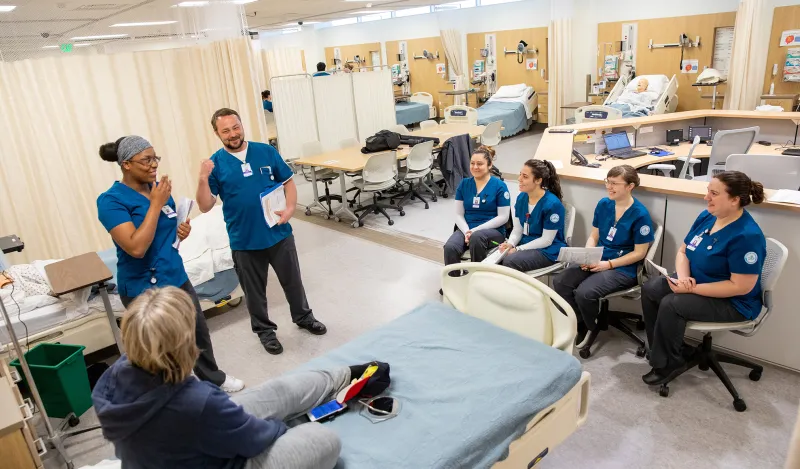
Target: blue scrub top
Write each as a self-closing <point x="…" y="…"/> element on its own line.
<point x="268" y="105"/>
<point x="241" y="195"/>
<point x="162" y="262"/>
<point x="739" y="248"/>
<point x="494" y="194"/>
<point x="634" y="227"/>
<point x="321" y="74"/>
<point x="548" y="214"/>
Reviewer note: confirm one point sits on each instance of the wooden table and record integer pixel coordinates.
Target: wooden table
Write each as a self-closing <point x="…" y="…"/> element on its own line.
<point x="351" y="160"/>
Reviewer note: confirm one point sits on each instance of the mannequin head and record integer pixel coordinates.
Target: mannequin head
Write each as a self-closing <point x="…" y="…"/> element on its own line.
<point x="641" y="87"/>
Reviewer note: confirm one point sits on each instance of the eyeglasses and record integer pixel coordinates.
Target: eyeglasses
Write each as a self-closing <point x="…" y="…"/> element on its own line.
<point x="379" y="409"/>
<point x="148" y="161"/>
<point x="611" y="183"/>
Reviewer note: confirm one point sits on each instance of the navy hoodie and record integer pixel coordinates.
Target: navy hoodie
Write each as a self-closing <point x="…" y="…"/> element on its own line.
<point x="193" y="424"/>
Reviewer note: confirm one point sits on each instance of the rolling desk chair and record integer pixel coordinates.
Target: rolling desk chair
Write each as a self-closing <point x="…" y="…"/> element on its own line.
<point x="705" y="357"/>
<point x="614" y="318"/>
<point x="728" y="142"/>
<point x="344" y="144"/>
<point x="687" y="171"/>
<point x="774" y="171"/>
<point x="419" y="164"/>
<point x="379" y="174"/>
<point x="569" y="226"/>
<point x="399" y="129"/>
<point x="491" y="134"/>
<point x="428" y="124"/>
<point x="324" y="175"/>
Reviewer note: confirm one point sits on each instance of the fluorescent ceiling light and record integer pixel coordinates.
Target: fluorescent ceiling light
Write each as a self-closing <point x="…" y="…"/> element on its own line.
<point x="7" y="8"/>
<point x="304" y="23"/>
<point x="144" y="23"/>
<point x="80" y="44"/>
<point x="192" y="4"/>
<point x="369" y="12"/>
<point x="243" y="2"/>
<point x="51" y="47"/>
<point x="101" y="36"/>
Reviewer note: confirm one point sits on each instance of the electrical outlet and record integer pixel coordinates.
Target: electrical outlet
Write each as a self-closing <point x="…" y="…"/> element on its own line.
<point x="646" y="130"/>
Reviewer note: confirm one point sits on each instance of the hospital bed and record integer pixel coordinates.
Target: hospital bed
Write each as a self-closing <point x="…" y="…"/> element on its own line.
<point x="206" y="258"/>
<point x="486" y="379"/>
<point x="623" y="102"/>
<point x="418" y="108"/>
<point x="515" y="105"/>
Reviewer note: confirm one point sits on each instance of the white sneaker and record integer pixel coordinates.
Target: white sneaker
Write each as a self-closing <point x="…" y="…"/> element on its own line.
<point x="232" y="384"/>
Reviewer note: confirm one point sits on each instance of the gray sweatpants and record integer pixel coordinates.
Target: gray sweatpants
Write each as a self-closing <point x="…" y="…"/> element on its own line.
<point x="306" y="446"/>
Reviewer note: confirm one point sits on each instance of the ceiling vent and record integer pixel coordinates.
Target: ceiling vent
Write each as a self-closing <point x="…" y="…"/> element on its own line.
<point x="100" y="7"/>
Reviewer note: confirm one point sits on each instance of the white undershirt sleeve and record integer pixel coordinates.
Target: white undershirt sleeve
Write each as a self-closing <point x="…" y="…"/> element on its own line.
<point x="541" y="242"/>
<point x="516" y="233"/>
<point x="461" y="222"/>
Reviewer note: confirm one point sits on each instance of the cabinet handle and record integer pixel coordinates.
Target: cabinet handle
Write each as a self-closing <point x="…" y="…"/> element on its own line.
<point x="27" y="409"/>
<point x="41" y="448"/>
<point x="15" y="377"/>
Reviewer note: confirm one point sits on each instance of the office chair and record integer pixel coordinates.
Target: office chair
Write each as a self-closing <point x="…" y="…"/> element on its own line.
<point x="615" y="318"/>
<point x="345" y="144"/>
<point x="491" y="134"/>
<point x="323" y="175"/>
<point x="428" y="124"/>
<point x="379" y="174"/>
<point x="569" y="226"/>
<point x="399" y="129"/>
<point x="705" y="357"/>
<point x="418" y="166"/>
<point x="687" y="171"/>
<point x="728" y="142"/>
<point x="774" y="171"/>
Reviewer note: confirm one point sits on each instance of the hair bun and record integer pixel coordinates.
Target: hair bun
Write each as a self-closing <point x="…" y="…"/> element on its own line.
<point x="756" y="192"/>
<point x="108" y="152"/>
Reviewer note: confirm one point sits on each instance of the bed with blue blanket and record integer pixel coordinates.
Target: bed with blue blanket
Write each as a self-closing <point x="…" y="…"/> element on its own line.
<point x="514" y="105"/>
<point x="409" y="112"/>
<point x="467" y="390"/>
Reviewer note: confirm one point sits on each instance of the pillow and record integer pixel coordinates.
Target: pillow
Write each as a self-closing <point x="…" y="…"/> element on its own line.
<point x="656" y="83"/>
<point x="511" y="91"/>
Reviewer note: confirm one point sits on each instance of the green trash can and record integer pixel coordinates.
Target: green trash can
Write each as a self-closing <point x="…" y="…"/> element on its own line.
<point x="59" y="372"/>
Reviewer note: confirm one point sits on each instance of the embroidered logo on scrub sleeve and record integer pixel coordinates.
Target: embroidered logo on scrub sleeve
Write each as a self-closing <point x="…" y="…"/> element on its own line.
<point x="751" y="258"/>
<point x="554" y="218"/>
<point x="644" y="230"/>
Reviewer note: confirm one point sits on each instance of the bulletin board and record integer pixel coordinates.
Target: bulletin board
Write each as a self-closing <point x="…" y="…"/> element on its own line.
<point x="423" y="71"/>
<point x="666" y="61"/>
<point x="348" y="52"/>
<point x="509" y="71"/>
<point x="785" y="18"/>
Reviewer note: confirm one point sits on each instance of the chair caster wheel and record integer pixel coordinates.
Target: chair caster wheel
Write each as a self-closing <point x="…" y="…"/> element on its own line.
<point x="308" y="212"/>
<point x="755" y="375"/>
<point x="434" y="199"/>
<point x="426" y="207"/>
<point x="663" y="391"/>
<point x="444" y="196"/>
<point x="639" y="325"/>
<point x="73" y="421"/>
<point x="391" y="222"/>
<point x="739" y="405"/>
<point x="337" y="219"/>
<point x="585" y="352"/>
<point x="355" y="224"/>
<point x="703" y="366"/>
<point x="391" y="202"/>
<point x="641" y="352"/>
<point x="326" y="216"/>
<point x="402" y="214"/>
<point x="350" y="205"/>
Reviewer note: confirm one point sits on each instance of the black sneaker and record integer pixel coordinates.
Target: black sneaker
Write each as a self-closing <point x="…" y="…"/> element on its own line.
<point x="272" y="346"/>
<point x="315" y="327"/>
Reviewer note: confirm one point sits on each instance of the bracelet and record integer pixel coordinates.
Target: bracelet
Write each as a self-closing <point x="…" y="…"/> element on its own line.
<point x="609" y="265"/>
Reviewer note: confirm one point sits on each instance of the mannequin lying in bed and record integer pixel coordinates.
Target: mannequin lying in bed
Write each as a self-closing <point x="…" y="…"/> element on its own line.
<point x="638" y="102"/>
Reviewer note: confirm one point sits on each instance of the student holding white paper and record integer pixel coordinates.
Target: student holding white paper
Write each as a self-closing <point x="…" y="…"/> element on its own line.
<point x="623" y="228"/>
<point x="142" y="219"/>
<point x="538" y="232"/>
<point x="718" y="274"/>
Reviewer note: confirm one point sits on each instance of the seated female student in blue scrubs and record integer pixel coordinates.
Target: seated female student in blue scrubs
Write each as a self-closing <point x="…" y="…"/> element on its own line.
<point x="140" y="216"/>
<point x="538" y="232"/>
<point x="483" y="204"/>
<point x="718" y="274"/>
<point x="623" y="228"/>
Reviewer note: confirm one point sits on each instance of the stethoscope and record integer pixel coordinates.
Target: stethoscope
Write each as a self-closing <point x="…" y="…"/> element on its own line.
<point x="268" y="168"/>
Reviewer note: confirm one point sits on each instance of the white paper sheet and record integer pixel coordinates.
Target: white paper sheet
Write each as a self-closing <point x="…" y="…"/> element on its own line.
<point x="272" y="201"/>
<point x="662" y="271"/>
<point x="786" y="196"/>
<point x="184" y="208"/>
<point x="495" y="256"/>
<point x="581" y="256"/>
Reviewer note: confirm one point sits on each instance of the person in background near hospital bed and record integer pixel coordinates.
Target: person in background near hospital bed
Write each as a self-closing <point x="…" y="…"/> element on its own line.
<point x="140" y="216"/>
<point x="157" y="415"/>
<point x="321" y="70"/>
<point x="623" y="228"/>
<point x="538" y="233"/>
<point x="266" y="98"/>
<point x="483" y="205"/>
<point x="718" y="274"/>
<point x="239" y="173"/>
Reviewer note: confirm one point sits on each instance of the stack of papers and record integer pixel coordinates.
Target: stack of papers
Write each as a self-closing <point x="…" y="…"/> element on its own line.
<point x="581" y="256"/>
<point x="184" y="208"/>
<point x="273" y="200"/>
<point x="786" y="196"/>
<point x="495" y="256"/>
<point x="662" y="271"/>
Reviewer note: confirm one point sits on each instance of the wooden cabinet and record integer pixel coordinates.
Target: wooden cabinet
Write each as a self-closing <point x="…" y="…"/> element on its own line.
<point x="597" y="99"/>
<point x="18" y="444"/>
<point x="542" y="112"/>
<point x="786" y="101"/>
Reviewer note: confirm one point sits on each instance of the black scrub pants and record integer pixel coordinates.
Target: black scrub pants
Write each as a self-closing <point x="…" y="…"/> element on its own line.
<point x="583" y="290"/>
<point x="252" y="268"/>
<point x="525" y="261"/>
<point x="205" y="367"/>
<point x="479" y="244"/>
<point x="665" y="316"/>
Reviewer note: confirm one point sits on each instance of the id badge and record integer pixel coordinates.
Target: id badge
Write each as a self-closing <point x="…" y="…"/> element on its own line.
<point x="476" y="202"/>
<point x="611" y="232"/>
<point x="168" y="211"/>
<point x="694" y="243"/>
<point x="525" y="229"/>
<point x="246" y="170"/>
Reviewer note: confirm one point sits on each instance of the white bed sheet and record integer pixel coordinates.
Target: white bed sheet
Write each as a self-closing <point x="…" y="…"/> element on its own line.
<point x="519" y="99"/>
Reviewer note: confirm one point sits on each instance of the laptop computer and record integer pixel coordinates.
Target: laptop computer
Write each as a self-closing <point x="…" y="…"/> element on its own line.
<point x="620" y="147"/>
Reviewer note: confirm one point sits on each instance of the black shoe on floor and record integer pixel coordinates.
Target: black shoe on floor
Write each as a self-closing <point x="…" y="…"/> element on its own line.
<point x="652" y="375"/>
<point x="314" y="327"/>
<point x="659" y="376"/>
<point x="272" y="346"/>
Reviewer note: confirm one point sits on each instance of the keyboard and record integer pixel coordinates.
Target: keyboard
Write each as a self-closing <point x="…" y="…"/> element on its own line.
<point x="791" y="151"/>
<point x="624" y="155"/>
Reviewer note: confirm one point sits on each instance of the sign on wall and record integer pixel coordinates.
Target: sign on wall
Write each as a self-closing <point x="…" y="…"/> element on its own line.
<point x="440" y="69"/>
<point x="690" y="66"/>
<point x="790" y="38"/>
<point x="531" y="64"/>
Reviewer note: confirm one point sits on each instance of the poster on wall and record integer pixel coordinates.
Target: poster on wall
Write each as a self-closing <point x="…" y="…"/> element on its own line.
<point x="790" y="38"/>
<point x="440" y="69"/>
<point x="690" y="66"/>
<point x="531" y="64"/>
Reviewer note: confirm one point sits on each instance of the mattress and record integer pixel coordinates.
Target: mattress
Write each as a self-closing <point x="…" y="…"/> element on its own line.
<point x="410" y="113"/>
<point x="513" y="115"/>
<point x="222" y="285"/>
<point x="467" y="389"/>
<point x="38" y="320"/>
<point x="524" y="99"/>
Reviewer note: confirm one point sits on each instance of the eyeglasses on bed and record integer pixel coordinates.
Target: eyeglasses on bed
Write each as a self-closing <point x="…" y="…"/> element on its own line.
<point x="380" y="408"/>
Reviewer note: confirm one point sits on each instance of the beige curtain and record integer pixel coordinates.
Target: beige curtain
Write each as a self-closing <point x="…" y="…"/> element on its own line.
<point x="451" y="40"/>
<point x="748" y="60"/>
<point x="559" y="57"/>
<point x="58" y="111"/>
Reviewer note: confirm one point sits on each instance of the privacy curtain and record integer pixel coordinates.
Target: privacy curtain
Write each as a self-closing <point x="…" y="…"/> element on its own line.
<point x="748" y="60"/>
<point x="451" y="40"/>
<point x="374" y="98"/>
<point x="559" y="56"/>
<point x="284" y="61"/>
<point x="335" y="109"/>
<point x="58" y="111"/>
<point x="295" y="118"/>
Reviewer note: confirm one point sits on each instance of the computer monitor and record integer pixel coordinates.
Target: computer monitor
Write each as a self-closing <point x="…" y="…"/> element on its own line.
<point x="617" y="141"/>
<point x="704" y="132"/>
